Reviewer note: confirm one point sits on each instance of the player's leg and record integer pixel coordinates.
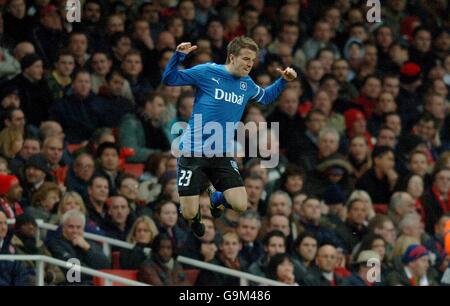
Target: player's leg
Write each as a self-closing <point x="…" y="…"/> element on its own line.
<point x="224" y="175"/>
<point x="190" y="210"/>
<point x="190" y="179"/>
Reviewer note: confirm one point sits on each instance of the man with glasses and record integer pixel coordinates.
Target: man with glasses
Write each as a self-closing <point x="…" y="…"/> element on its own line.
<point x="80" y="174"/>
<point x="128" y="187"/>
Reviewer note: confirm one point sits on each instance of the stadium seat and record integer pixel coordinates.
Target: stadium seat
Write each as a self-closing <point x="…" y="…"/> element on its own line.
<point x="73" y="147"/>
<point x="191" y="275"/>
<point x="115" y="259"/>
<point x="135" y="169"/>
<point x="130" y="274"/>
<point x="380" y="208"/>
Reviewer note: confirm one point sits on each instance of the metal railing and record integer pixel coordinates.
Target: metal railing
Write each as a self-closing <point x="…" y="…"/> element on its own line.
<point x="108" y="242"/>
<point x="41" y="260"/>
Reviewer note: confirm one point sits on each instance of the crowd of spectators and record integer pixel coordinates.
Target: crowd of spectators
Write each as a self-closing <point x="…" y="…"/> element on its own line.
<point x="363" y="142"/>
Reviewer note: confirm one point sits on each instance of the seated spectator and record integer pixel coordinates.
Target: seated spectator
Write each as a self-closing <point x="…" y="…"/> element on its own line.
<point x="169" y="191"/>
<point x="310" y="219"/>
<point x="59" y="79"/>
<point x="328" y="144"/>
<point x="80" y="173"/>
<point x="418" y="164"/>
<point x="365" y="198"/>
<point x="162" y="268"/>
<point x="141" y="235"/>
<point x="35" y="96"/>
<point x="304" y="250"/>
<point x="154" y="168"/>
<point x="281" y="268"/>
<point x="377" y="244"/>
<point x="132" y="68"/>
<point x="78" y="45"/>
<point x="274" y="243"/>
<point x="228" y="257"/>
<point x="413" y="184"/>
<point x="401" y="203"/>
<point x="71" y="244"/>
<point x="99" y="136"/>
<point x="108" y="164"/>
<point x="166" y="218"/>
<point x="11" y="142"/>
<point x="362" y="274"/>
<point x="12" y="273"/>
<point x="292" y="180"/>
<point x="143" y="131"/>
<point x="111" y="105"/>
<point x="35" y="172"/>
<point x="436" y="200"/>
<point x="118" y="221"/>
<point x="101" y="66"/>
<point x="25" y="243"/>
<point x="248" y="227"/>
<point x="379" y="181"/>
<point x="202" y="248"/>
<point x="414" y="270"/>
<point x="44" y="202"/>
<point x="10" y="196"/>
<point x="254" y="186"/>
<point x="128" y="187"/>
<point x="98" y="192"/>
<point x="353" y="230"/>
<point x="31" y="146"/>
<point x="74" y="111"/>
<point x="52" y="150"/>
<point x="323" y="274"/>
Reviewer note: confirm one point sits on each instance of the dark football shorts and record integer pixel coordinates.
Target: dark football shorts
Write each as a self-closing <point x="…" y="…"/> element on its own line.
<point x="195" y="173"/>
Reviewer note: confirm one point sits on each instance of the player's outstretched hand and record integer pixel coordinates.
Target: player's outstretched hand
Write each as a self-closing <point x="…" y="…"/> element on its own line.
<point x="288" y="74"/>
<point x="186" y="47"/>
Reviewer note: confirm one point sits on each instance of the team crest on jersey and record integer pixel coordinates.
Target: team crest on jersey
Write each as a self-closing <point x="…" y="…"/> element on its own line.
<point x="234" y="165"/>
<point x="243" y="86"/>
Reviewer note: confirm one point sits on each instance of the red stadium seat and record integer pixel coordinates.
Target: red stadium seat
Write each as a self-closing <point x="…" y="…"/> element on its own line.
<point x="73" y="147"/>
<point x="191" y="275"/>
<point x="130" y="274"/>
<point x="135" y="169"/>
<point x="380" y="208"/>
<point x="115" y="258"/>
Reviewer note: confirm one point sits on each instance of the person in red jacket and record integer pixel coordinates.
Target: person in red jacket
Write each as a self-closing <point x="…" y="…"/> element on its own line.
<point x="10" y="195"/>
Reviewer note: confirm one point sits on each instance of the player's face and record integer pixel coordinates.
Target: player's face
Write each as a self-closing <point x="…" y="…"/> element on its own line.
<point x="243" y="63"/>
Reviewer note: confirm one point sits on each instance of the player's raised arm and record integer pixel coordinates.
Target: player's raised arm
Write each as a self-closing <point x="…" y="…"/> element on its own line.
<point x="174" y="77"/>
<point x="271" y="93"/>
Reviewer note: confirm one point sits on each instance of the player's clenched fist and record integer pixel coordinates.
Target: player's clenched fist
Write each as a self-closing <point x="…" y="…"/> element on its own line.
<point x="288" y="74"/>
<point x="186" y="47"/>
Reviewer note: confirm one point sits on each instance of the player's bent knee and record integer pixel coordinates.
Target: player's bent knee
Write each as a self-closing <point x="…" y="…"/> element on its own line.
<point x="240" y="206"/>
<point x="189" y="207"/>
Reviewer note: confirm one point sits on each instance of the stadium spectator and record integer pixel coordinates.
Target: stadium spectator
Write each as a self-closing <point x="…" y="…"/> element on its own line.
<point x="71" y="244"/>
<point x="166" y="219"/>
<point x="162" y="268"/>
<point x="80" y="173"/>
<point x="10" y="196"/>
<point x="141" y="235"/>
<point x="98" y="191"/>
<point x="44" y="202"/>
<point x="281" y="268"/>
<point x="119" y="220"/>
<point x="248" y="227"/>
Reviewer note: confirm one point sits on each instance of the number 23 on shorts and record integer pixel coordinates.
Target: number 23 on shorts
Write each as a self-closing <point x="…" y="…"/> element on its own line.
<point x="185" y="178"/>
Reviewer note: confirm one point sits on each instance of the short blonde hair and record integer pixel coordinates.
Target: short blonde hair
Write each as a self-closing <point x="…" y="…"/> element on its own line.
<point x="150" y="225"/>
<point x="71" y="195"/>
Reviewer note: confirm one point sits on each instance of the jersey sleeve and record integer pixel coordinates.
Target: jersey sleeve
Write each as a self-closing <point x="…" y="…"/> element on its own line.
<point x="268" y="95"/>
<point x="174" y="77"/>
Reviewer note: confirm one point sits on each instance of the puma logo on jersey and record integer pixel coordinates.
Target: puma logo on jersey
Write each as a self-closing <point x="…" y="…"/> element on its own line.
<point x="228" y="96"/>
<point x="215" y="80"/>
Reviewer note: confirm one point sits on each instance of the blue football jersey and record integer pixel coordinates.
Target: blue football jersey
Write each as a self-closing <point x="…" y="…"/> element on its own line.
<point x="219" y="103"/>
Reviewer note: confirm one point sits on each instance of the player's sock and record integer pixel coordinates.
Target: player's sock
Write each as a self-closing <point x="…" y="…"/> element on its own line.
<point x="218" y="199"/>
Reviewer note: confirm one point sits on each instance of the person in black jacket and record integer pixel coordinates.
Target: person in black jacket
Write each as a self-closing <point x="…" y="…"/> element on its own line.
<point x="35" y="95"/>
<point x="142" y="234"/>
<point x="119" y="220"/>
<point x="75" y="111"/>
<point x="71" y="244"/>
<point x="111" y="105"/>
<point x="323" y="273"/>
<point x="379" y="181"/>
